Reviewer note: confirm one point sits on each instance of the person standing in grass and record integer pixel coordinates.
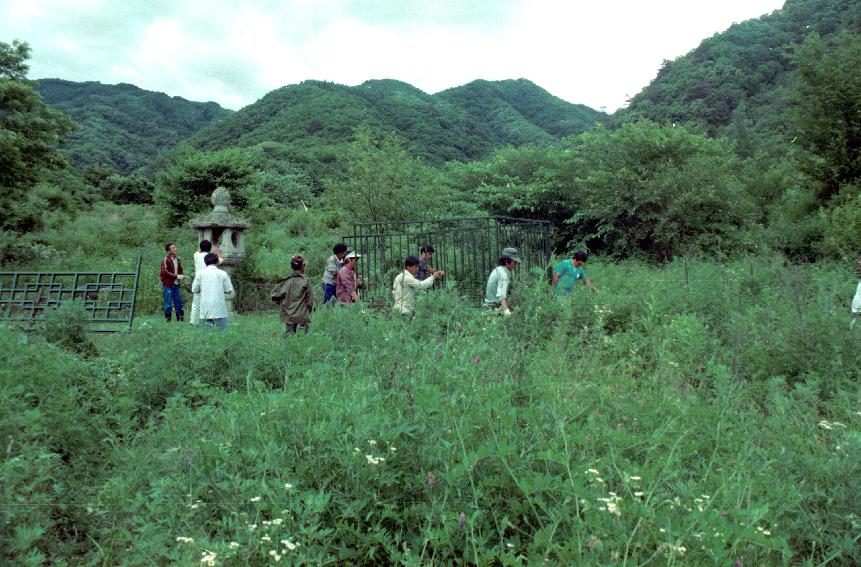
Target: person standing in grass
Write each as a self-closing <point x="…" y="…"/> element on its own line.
<point x="496" y="293"/>
<point x="205" y="248"/>
<point x="330" y="272"/>
<point x="406" y="285"/>
<point x="213" y="285"/>
<point x="293" y="294"/>
<point x="170" y="276"/>
<point x="856" y="301"/>
<point x="345" y="283"/>
<point x="567" y="272"/>
<point x="425" y="258"/>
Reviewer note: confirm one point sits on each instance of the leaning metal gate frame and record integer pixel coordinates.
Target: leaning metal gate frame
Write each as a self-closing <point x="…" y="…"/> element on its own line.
<point x="107" y="297"/>
<point x="467" y="249"/>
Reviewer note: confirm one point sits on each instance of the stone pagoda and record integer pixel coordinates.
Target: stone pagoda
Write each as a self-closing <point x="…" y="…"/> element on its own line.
<point x="224" y="230"/>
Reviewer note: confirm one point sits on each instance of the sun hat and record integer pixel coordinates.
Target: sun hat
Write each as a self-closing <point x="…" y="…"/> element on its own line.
<point x="352" y="254"/>
<point x="512" y="253"/>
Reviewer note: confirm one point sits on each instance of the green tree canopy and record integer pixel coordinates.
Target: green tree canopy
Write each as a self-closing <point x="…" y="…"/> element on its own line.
<point x="29" y="135"/>
<point x="828" y="109"/>
<point x="184" y="188"/>
<point x="383" y="183"/>
<point x="659" y="190"/>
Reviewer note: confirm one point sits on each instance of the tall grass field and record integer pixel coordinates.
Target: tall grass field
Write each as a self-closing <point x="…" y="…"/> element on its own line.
<point x="698" y="413"/>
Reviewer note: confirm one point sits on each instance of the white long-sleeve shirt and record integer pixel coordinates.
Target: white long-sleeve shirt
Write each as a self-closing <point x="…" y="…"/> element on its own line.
<point x="497" y="285"/>
<point x="212" y="284"/>
<point x="856" y="301"/>
<point x="404" y="290"/>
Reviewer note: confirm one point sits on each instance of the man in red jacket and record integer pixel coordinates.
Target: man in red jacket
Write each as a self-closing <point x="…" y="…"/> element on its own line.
<point x="170" y="276"/>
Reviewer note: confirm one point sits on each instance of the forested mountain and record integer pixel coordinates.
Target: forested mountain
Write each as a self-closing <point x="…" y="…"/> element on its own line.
<point x="315" y="120"/>
<point x="122" y="125"/>
<point x="739" y="82"/>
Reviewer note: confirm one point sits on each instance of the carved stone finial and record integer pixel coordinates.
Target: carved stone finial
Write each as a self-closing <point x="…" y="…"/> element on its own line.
<point x="220" y="200"/>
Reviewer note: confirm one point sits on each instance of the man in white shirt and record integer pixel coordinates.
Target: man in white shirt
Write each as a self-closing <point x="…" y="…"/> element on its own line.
<point x="199" y="265"/>
<point x="406" y="285"/>
<point x="213" y="285"/>
<point x="856" y="301"/>
<point x="496" y="293"/>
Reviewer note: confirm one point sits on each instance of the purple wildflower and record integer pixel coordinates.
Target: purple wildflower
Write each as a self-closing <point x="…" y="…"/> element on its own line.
<point x="461" y="520"/>
<point x="431" y="481"/>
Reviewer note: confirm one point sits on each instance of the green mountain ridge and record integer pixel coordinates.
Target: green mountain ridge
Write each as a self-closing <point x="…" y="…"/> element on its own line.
<point x="123" y="125"/>
<point x="738" y="83"/>
<point x="313" y="121"/>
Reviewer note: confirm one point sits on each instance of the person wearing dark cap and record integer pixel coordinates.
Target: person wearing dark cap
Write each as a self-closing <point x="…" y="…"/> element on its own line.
<point x="293" y="294"/>
<point x="496" y="293"/>
<point x="345" y="283"/>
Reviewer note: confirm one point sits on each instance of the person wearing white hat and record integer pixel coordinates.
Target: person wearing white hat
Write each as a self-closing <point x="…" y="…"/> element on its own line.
<point x="345" y="284"/>
<point x="496" y="293"/>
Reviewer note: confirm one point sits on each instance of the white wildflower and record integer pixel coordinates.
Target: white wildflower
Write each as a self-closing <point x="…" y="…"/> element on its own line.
<point x="287" y="486"/>
<point x="636" y="478"/>
<point x="372" y="442"/>
<point x="182" y="539"/>
<point x="208" y="558"/>
<point x="233" y="545"/>
<point x="265" y="539"/>
<point x="277" y="521"/>
<point x="255" y="499"/>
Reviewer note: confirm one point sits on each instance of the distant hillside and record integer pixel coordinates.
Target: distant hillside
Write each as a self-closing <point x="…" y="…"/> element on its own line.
<point x="518" y="112"/>
<point x="123" y="125"/>
<point x="737" y="83"/>
<point x="315" y="119"/>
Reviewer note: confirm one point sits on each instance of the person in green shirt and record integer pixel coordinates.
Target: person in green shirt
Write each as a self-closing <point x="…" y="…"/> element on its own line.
<point x="567" y="272"/>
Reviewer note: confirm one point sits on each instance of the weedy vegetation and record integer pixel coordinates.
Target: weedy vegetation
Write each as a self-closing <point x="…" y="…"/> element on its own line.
<point x="690" y="414"/>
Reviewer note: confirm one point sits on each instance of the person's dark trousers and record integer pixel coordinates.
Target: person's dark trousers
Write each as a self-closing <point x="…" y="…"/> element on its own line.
<point x="328" y="292"/>
<point x="172" y="298"/>
<point x="293" y="327"/>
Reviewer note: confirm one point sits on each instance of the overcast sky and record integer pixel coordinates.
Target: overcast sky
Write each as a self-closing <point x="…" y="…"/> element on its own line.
<point x="597" y="52"/>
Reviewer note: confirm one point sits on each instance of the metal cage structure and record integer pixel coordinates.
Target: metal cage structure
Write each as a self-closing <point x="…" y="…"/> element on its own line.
<point x="107" y="297"/>
<point x="467" y="249"/>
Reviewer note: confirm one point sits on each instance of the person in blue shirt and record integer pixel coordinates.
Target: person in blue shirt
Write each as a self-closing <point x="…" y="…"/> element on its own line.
<point x="567" y="272"/>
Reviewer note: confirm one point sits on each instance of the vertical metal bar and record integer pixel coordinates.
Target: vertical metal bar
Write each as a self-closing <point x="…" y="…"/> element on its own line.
<point x="135" y="292"/>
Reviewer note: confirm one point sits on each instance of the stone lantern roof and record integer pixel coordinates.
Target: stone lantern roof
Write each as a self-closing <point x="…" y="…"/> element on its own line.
<point x="220" y="217"/>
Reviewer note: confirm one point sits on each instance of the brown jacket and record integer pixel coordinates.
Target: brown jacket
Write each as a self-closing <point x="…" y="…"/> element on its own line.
<point x="294" y="295"/>
<point x="166" y="274"/>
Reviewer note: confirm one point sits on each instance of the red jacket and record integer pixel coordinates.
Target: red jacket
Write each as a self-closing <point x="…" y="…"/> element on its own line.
<point x="167" y="276"/>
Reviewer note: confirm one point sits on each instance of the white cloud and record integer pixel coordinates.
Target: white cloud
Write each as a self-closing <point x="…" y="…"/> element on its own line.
<point x="595" y="53"/>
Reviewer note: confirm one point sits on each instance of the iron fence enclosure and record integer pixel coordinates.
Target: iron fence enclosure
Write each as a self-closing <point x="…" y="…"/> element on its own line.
<point x="107" y="297"/>
<point x="466" y="249"/>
